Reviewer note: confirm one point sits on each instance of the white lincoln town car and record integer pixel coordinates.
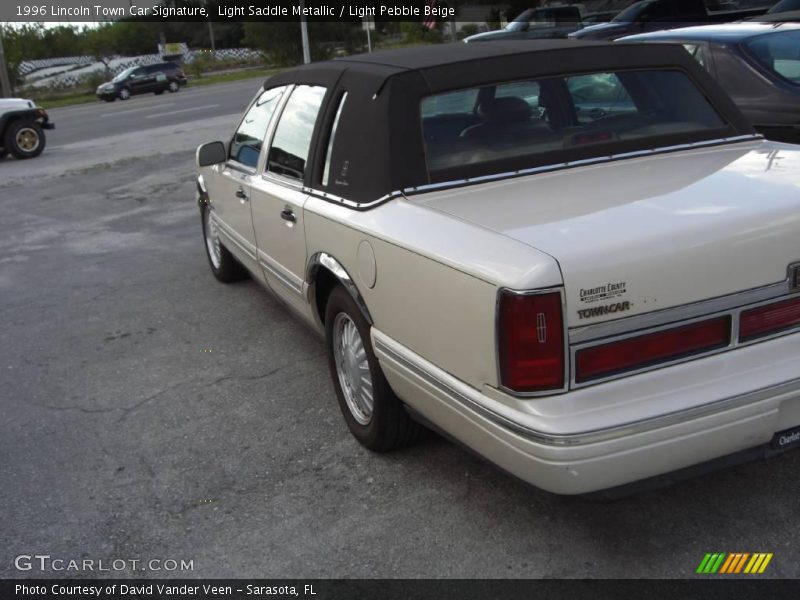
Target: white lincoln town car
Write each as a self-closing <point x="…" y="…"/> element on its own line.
<point x="575" y="258"/>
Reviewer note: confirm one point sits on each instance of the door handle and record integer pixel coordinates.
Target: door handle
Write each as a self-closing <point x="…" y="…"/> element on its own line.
<point x="287" y="214"/>
<point x="240" y="193"/>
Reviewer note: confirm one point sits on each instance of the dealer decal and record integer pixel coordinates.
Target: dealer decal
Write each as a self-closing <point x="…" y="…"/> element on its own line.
<point x="606" y="309"/>
<point x="607" y="291"/>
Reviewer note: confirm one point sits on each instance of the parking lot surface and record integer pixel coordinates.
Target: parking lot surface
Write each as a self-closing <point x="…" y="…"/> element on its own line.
<point x="149" y="412"/>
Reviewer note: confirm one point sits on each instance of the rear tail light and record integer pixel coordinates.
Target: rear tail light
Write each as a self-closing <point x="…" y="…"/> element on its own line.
<point x="531" y="341"/>
<point x="769" y="319"/>
<point x="653" y="348"/>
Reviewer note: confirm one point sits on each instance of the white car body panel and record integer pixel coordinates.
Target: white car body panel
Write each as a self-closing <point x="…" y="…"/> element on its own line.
<point x="673" y="229"/>
<point x="9" y="104"/>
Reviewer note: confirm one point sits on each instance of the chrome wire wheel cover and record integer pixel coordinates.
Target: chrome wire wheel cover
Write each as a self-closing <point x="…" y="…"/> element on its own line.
<point x="28" y="139"/>
<point x="352" y="368"/>
<point x="173" y="86"/>
<point x="124" y="94"/>
<point x="212" y="240"/>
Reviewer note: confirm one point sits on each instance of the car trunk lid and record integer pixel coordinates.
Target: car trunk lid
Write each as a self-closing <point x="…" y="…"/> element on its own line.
<point x="642" y="234"/>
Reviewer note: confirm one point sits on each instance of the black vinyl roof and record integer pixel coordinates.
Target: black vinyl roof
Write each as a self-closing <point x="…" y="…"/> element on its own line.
<point x="378" y="147"/>
<point x="422" y="57"/>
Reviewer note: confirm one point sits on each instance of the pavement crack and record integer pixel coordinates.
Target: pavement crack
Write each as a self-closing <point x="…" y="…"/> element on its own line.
<point x="266" y="375"/>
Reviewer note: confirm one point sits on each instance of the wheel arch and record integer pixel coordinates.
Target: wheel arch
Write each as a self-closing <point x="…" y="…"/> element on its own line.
<point x="14" y="115"/>
<point x="323" y="273"/>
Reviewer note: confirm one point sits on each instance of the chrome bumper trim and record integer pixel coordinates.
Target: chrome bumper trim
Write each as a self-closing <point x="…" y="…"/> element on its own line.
<point x="449" y="389"/>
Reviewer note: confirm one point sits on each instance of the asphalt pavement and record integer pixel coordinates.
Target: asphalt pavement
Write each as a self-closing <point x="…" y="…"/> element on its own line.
<point x="152" y="413"/>
<point x="147" y="111"/>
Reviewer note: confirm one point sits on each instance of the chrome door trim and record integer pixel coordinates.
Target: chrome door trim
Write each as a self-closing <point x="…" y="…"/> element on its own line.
<point x="282" y="274"/>
<point x="237" y="240"/>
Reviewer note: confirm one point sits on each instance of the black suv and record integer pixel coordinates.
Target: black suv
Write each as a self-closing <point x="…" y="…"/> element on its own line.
<point x="146" y="79"/>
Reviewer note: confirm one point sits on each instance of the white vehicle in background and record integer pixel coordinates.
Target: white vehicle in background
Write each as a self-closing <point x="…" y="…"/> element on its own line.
<point x="22" y="126"/>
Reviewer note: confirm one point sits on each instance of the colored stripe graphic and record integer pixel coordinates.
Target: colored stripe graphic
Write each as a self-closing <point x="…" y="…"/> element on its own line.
<point x="734" y="563"/>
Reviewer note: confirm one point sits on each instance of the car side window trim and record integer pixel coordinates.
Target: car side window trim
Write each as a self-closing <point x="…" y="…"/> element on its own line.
<point x="331" y="138"/>
<point x="234" y="164"/>
<point x="271" y="176"/>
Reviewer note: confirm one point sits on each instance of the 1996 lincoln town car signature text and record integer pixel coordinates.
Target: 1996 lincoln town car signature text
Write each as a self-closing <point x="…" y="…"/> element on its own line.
<point x="577" y="259"/>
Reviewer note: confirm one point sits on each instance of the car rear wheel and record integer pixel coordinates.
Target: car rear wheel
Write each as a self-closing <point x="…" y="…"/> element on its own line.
<point x="375" y="416"/>
<point x="24" y="139"/>
<point x="223" y="265"/>
<point x="124" y="94"/>
<point x="173" y="86"/>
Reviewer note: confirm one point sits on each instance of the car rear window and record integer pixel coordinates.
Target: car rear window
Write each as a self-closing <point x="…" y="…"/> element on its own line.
<point x="778" y="53"/>
<point x="509" y="121"/>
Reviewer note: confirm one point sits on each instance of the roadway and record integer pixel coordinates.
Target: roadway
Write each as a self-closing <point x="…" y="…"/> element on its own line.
<point x="148" y="111"/>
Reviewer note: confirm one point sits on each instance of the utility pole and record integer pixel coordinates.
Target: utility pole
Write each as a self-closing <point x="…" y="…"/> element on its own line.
<point x="304" y="33"/>
<point x="211" y="35"/>
<point x="211" y="31"/>
<point x="5" y="82"/>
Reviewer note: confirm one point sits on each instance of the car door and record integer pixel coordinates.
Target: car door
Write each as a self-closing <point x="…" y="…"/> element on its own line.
<point x="278" y="197"/>
<point x="229" y="187"/>
<point x="138" y="81"/>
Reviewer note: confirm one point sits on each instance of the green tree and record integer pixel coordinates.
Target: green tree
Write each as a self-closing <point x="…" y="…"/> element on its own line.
<point x="101" y="44"/>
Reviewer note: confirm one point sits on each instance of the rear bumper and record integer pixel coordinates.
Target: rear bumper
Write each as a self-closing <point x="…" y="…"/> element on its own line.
<point x="664" y="421"/>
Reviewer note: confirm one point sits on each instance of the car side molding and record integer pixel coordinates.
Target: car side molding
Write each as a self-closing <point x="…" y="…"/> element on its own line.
<point x="323" y="259"/>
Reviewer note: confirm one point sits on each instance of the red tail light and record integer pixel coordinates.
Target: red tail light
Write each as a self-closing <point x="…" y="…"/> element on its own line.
<point x="772" y="318"/>
<point x="531" y="341"/>
<point x="653" y="348"/>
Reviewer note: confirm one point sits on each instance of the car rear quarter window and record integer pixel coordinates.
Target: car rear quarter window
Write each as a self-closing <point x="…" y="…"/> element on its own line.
<point x="246" y="144"/>
<point x="291" y="143"/>
<point x="509" y="121"/>
<point x="779" y="53"/>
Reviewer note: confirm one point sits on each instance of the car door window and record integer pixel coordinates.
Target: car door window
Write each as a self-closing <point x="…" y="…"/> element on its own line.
<point x="249" y="137"/>
<point x="292" y="141"/>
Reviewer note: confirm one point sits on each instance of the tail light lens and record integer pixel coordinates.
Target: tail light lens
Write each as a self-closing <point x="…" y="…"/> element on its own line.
<point x="653" y="348"/>
<point x="531" y="341"/>
<point x="772" y="318"/>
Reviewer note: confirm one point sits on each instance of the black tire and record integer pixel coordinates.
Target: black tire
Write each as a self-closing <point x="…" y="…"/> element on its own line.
<point x="3" y="153"/>
<point x="24" y="139"/>
<point x="390" y="426"/>
<point x="173" y="87"/>
<point x="227" y="269"/>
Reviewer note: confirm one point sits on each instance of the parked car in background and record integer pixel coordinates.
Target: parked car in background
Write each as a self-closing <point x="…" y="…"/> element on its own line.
<point x="655" y="15"/>
<point x="577" y="258"/>
<point x="147" y="79"/>
<point x="22" y="126"/>
<point x="536" y="23"/>
<point x="594" y="18"/>
<point x="758" y="64"/>
<point x="786" y="10"/>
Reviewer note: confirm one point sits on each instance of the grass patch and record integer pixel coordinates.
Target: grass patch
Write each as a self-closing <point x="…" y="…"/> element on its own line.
<point x="58" y="100"/>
